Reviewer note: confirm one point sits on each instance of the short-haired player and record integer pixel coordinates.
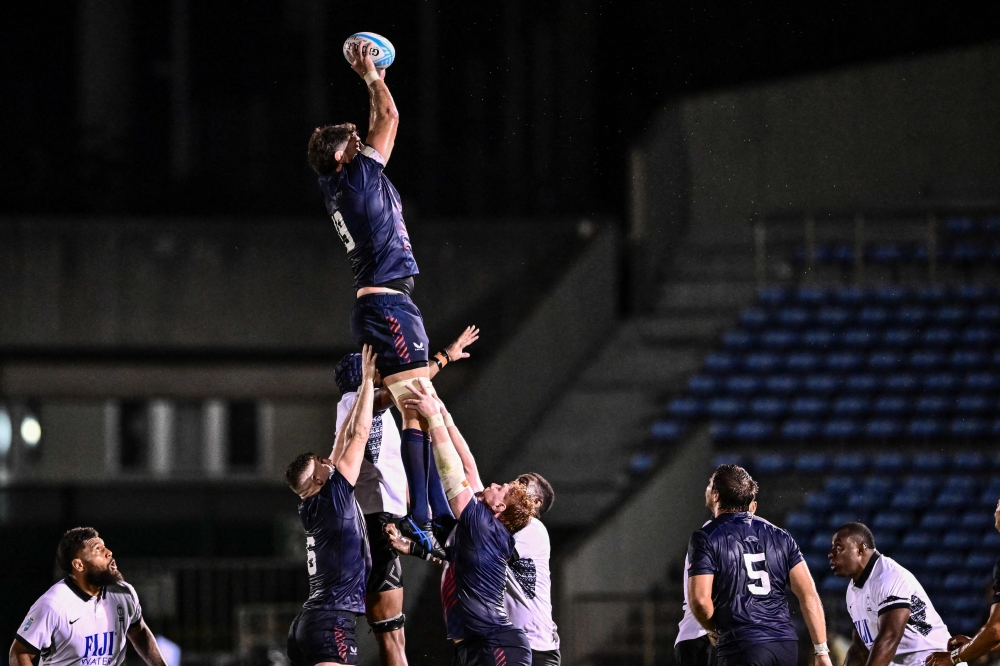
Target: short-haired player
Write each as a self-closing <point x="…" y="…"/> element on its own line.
<point x="381" y="491"/>
<point x="84" y="619"/>
<point x="479" y="548"/>
<point x="894" y="619"/>
<point x="338" y="560"/>
<point x="529" y="581"/>
<point x="368" y="215"/>
<point x="740" y="567"/>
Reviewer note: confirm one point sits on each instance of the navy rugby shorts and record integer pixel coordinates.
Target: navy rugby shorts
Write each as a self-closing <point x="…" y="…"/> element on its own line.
<point x="508" y="647"/>
<point x="393" y="326"/>
<point x="318" y="636"/>
<point x="778" y="653"/>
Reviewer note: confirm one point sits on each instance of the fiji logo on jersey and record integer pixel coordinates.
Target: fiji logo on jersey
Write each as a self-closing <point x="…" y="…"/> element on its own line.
<point x="27" y="624"/>
<point x="99" y="649"/>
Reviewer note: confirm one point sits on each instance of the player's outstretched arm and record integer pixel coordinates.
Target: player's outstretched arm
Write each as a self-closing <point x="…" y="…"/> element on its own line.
<point x="857" y="654"/>
<point x="985" y="641"/>
<point x="383" y="117"/>
<point x="20" y="654"/>
<point x="462" y="447"/>
<point x="449" y="463"/>
<point x="890" y="631"/>
<point x="359" y="423"/>
<point x="812" y="608"/>
<point x="144" y="642"/>
<point x="453" y="352"/>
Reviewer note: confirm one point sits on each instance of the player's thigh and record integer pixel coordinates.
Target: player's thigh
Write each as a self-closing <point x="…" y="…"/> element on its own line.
<point x="545" y="658"/>
<point x="393" y="326"/>
<point x="386" y="574"/>
<point x="384" y="605"/>
<point x="325" y="637"/>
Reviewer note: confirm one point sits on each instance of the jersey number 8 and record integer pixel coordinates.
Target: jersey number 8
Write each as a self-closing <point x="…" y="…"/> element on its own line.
<point x="764" y="586"/>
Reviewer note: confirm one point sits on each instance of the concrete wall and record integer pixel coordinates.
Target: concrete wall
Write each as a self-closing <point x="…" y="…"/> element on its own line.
<point x="901" y="132"/>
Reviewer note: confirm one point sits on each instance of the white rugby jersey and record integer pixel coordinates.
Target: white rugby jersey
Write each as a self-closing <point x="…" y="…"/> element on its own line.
<point x="69" y="627"/>
<point x="529" y="588"/>
<point x="381" y="484"/>
<point x="689" y="628"/>
<point x="885" y="585"/>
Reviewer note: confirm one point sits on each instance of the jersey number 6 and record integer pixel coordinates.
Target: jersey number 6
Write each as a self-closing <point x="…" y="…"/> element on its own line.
<point x="764" y="586"/>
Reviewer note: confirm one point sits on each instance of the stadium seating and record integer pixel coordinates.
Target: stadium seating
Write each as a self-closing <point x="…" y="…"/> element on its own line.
<point x="930" y="512"/>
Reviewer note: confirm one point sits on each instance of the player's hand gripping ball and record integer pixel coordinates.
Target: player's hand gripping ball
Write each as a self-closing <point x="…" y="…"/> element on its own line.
<point x="381" y="49"/>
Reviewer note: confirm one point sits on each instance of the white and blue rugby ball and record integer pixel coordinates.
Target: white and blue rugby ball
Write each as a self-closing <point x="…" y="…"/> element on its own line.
<point x="382" y="50"/>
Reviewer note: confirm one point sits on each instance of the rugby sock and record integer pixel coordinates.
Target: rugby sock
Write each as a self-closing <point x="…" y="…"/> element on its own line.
<point x="435" y="491"/>
<point x="415" y="464"/>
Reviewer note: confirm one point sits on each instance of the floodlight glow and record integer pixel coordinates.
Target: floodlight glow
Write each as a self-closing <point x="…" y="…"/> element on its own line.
<point x="31" y="430"/>
<point x="6" y="432"/>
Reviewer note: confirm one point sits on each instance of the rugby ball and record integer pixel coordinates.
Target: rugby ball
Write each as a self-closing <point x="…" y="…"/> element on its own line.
<point x="382" y="50"/>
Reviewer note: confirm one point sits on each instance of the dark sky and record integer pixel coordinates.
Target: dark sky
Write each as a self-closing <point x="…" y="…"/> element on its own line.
<point x="507" y="108"/>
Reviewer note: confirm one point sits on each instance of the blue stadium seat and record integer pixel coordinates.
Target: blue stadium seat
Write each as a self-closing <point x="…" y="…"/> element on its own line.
<point x="669" y="430"/>
<point x="899" y="338"/>
<point x="851" y="463"/>
<point x="930" y="462"/>
<point x="953" y="499"/>
<point x="964" y="624"/>
<point x="865" y="501"/>
<point x="818" y="338"/>
<point x="833" y="585"/>
<point x="851" y="295"/>
<point x="812" y="463"/>
<point x="800" y="521"/>
<point x="819" y="542"/>
<point x="887" y="540"/>
<point x="976" y="520"/>
<point x="886" y="254"/>
<point x="994" y="253"/>
<point x="912" y="315"/>
<point x="919" y="540"/>
<point x="793" y="317"/>
<point x="720" y="363"/>
<point x="822" y="384"/>
<point x="980" y="561"/>
<point x="721" y="430"/>
<point x="968" y="426"/>
<point x="754" y="318"/>
<point x="726" y="408"/>
<point x="836" y="317"/>
<point x="962" y="482"/>
<point x="782" y="384"/>
<point x="753" y="430"/>
<point x="904" y="382"/>
<point x="809" y="406"/>
<point x="883" y="428"/>
<point x="959" y="540"/>
<point x="841" y="428"/>
<point x="773" y="296"/>
<point x="838" y="518"/>
<point x="884" y="361"/>
<point x="968" y="359"/>
<point x="843" y="254"/>
<point x="802" y="362"/>
<point x="990" y="540"/>
<point x="973" y="293"/>
<point x="943" y="561"/>
<point x="989" y="497"/>
<point x="890" y="463"/>
<point x="686" y="408"/>
<point x="850" y="405"/>
<point x="892" y="295"/>
<point x="925" y="427"/>
<point x="874" y="316"/>
<point x="951" y="315"/>
<point x="921" y="254"/>
<point x="799" y="429"/>
<point x="702" y="384"/>
<point x="978" y="337"/>
<point x="960" y="582"/>
<point x="812" y="296"/>
<point x="940" y="381"/>
<point x="738" y="340"/>
<point x="892" y="405"/>
<point x="937" y="520"/>
<point x="981" y="381"/>
<point x="858" y="338"/>
<point x="728" y="458"/>
<point x="987" y="314"/>
<point x="961" y="226"/>
<point x="909" y="500"/>
<point x="911" y="559"/>
<point x="768" y="408"/>
<point x="771" y="463"/>
<point x="926" y="359"/>
<point x="933" y="294"/>
<point x="939" y="337"/>
<point x="892" y="520"/>
<point x="996" y="359"/>
<point x="992" y="225"/>
<point x="779" y="339"/>
<point x="761" y="362"/>
<point x="743" y="384"/>
<point x="843" y="361"/>
<point x="967" y="603"/>
<point x="839" y="485"/>
<point x="862" y="383"/>
<point x="973" y="404"/>
<point x="921" y="483"/>
<point x="820" y="500"/>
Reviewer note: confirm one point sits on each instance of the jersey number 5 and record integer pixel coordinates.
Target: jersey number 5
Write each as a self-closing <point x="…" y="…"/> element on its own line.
<point x="311" y="555"/>
<point x="345" y="235"/>
<point x="764" y="585"/>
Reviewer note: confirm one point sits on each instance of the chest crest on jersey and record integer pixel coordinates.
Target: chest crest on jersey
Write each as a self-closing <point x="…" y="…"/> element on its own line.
<point x="374" y="445"/>
<point x="524" y="572"/>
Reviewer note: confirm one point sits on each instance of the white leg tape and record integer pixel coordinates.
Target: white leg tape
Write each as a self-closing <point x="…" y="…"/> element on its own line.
<point x="401" y="388"/>
<point x="450" y="469"/>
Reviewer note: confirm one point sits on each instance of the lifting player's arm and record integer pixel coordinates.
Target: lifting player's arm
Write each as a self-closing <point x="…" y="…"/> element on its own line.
<point x="857" y="654"/>
<point x="985" y="641"/>
<point x="462" y="447"/>
<point x="383" y="118"/>
<point x="453" y="352"/>
<point x="144" y="642"/>
<point x="349" y="450"/>
<point x="449" y="464"/>
<point x="812" y="608"/>
<point x="891" y="625"/>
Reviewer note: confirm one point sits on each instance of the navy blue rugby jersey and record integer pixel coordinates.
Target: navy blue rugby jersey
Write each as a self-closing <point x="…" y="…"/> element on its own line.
<point x="472" y="586"/>
<point x="337" y="557"/>
<point x="750" y="559"/>
<point x="368" y="215"/>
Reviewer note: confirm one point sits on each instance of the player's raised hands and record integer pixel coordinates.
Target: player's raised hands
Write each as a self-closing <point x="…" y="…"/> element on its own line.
<point x="361" y="59"/>
<point x="456" y="350"/>
<point x="368" y="370"/>
<point x="423" y="402"/>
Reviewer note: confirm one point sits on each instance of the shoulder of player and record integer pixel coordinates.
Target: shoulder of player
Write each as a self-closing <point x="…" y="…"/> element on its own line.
<point x="534" y="538"/>
<point x="370" y="153"/>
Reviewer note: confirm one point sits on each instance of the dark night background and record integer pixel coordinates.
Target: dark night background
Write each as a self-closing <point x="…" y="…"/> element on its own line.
<point x="510" y="108"/>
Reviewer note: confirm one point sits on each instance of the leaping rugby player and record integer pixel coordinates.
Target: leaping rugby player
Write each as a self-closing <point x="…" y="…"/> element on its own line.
<point x="368" y="215"/>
